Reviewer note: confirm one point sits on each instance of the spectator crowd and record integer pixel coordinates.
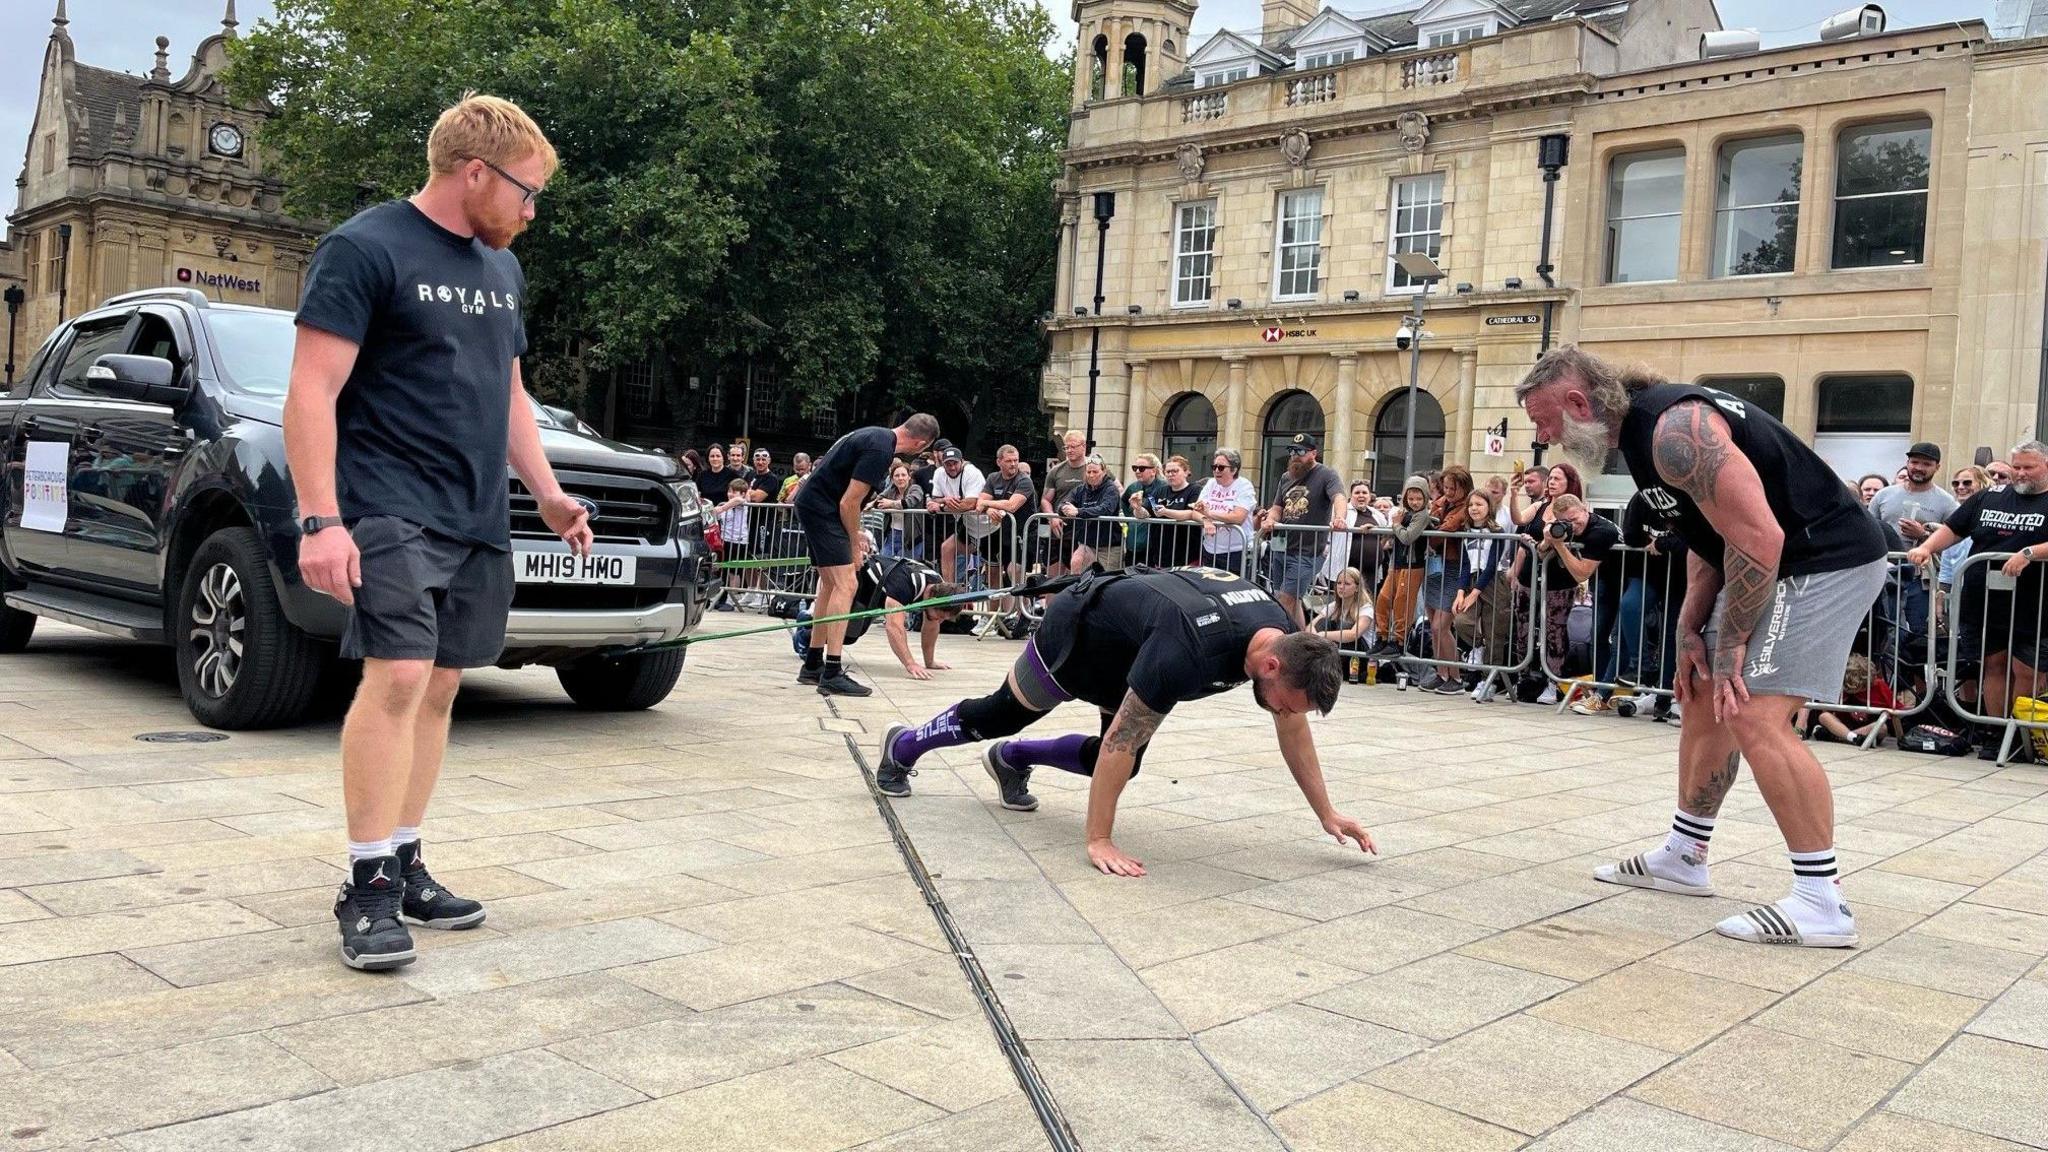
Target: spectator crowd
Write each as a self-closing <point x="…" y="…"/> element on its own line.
<point x="1453" y="583"/>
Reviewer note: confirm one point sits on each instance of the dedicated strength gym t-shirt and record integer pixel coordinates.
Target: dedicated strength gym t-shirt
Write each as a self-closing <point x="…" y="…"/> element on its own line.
<point x="1137" y="639"/>
<point x="420" y="427"/>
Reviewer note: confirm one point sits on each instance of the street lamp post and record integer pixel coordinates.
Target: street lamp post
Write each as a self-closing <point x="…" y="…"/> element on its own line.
<point x="14" y="296"/>
<point x="1422" y="270"/>
<point x="1105" y="207"/>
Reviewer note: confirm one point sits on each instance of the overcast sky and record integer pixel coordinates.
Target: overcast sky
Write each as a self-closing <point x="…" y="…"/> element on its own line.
<point x="122" y="34"/>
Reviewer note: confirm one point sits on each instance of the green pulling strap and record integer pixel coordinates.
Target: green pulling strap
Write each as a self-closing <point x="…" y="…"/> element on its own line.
<point x="1027" y="588"/>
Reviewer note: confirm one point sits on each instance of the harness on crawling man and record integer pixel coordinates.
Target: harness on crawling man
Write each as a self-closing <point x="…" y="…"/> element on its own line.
<point x="1204" y="609"/>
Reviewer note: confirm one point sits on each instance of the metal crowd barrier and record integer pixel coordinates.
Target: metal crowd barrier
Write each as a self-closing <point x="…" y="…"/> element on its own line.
<point x="1627" y="635"/>
<point x="1994" y="653"/>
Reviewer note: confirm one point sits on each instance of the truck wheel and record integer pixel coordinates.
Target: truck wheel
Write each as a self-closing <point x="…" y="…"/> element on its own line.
<point x="626" y="683"/>
<point x="241" y="664"/>
<point x="16" y="627"/>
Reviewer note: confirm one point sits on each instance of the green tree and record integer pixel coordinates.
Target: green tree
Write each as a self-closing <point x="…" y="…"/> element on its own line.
<point x="859" y="191"/>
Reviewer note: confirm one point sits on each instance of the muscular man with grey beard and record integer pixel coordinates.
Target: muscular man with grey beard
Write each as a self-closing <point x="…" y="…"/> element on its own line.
<point x="1784" y="563"/>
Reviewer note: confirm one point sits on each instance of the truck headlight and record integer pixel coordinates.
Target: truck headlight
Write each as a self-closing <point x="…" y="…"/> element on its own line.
<point x="689" y="506"/>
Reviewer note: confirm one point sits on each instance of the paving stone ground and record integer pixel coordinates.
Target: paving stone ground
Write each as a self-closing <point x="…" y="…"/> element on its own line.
<point x="701" y="934"/>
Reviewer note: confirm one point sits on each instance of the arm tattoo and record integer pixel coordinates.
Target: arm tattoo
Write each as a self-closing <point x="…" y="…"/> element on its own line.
<point x="1133" y="727"/>
<point x="1705" y="800"/>
<point x="1689" y="451"/>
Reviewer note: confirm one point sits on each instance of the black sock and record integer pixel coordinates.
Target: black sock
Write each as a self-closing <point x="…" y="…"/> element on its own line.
<point x="833" y="667"/>
<point x="814" y="659"/>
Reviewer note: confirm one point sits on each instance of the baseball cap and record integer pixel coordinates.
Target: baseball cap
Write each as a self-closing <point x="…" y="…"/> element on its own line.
<point x="1302" y="442"/>
<point x="1926" y="449"/>
<point x="952" y="453"/>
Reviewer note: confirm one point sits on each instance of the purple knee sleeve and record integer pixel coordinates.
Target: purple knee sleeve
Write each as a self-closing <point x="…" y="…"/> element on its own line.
<point x="941" y="731"/>
<point x="1062" y="752"/>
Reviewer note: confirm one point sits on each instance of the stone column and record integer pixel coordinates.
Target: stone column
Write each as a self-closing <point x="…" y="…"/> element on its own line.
<point x="1337" y="453"/>
<point x="1460" y="449"/>
<point x="1134" y="412"/>
<point x="1230" y="433"/>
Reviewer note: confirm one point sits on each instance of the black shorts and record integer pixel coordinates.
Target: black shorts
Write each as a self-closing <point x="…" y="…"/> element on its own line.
<point x="426" y="596"/>
<point x="1001" y="545"/>
<point x="825" y="537"/>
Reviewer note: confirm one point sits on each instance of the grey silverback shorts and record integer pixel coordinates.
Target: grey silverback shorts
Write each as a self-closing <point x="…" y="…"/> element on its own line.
<point x="1801" y="645"/>
<point x="427" y="597"/>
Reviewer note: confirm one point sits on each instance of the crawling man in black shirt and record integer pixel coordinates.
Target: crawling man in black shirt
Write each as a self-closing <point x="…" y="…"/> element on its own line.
<point x="1134" y="644"/>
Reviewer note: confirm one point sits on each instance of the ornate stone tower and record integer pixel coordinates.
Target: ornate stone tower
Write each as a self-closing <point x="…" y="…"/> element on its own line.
<point x="1129" y="47"/>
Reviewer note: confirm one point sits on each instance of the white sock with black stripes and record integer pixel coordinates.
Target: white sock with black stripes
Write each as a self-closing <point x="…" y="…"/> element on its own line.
<point x="1684" y="854"/>
<point x="1816" y="886"/>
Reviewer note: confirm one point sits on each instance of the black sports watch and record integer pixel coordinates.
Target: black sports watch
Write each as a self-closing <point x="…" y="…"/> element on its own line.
<point x="312" y="524"/>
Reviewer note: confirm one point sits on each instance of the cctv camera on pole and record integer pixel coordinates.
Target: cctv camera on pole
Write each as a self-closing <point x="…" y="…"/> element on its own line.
<point x="1408" y="338"/>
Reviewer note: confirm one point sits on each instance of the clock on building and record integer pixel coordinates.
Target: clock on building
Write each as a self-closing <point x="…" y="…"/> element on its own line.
<point x="226" y="139"/>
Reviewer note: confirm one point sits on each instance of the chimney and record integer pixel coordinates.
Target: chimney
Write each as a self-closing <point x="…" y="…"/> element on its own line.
<point x="1281" y="17"/>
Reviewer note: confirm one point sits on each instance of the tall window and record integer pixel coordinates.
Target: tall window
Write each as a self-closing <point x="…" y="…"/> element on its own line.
<point x="1881" y="193"/>
<point x="636" y="388"/>
<point x="1291" y="412"/>
<point x="1098" y="68"/>
<point x="1298" y="258"/>
<point x="1644" y="193"/>
<point x="1194" y="254"/>
<point x="1766" y="393"/>
<point x="1191" y="432"/>
<point x="1756" y="207"/>
<point x="1389" y="438"/>
<point x="1418" y="225"/>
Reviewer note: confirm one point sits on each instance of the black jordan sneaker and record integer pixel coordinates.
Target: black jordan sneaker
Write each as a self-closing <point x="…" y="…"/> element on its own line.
<point x="891" y="777"/>
<point x="426" y="902"/>
<point x="840" y="684"/>
<point x="367" y="909"/>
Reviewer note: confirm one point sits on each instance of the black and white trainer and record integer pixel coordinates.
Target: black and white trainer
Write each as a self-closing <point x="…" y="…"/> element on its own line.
<point x="427" y="903"/>
<point x="891" y="777"/>
<point x="1014" y="782"/>
<point x="367" y="910"/>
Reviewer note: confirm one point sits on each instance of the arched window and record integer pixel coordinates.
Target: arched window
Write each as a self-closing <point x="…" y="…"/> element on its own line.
<point x="1191" y="432"/>
<point x="1291" y="412"/>
<point x="1134" y="65"/>
<point x="1389" y="437"/>
<point x="1098" y="67"/>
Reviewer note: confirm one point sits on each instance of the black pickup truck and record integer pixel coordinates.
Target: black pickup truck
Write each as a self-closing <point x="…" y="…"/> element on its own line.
<point x="145" y="496"/>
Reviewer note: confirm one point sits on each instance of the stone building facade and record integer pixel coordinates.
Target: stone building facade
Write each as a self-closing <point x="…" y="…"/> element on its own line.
<point x="1263" y="182"/>
<point x="158" y="180"/>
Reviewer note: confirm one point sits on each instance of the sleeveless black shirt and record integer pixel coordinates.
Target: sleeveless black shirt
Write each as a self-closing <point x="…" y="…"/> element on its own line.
<point x="1826" y="527"/>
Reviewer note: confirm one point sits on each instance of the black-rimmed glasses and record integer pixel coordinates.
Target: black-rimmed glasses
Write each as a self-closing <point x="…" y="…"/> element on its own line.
<point x="527" y="192"/>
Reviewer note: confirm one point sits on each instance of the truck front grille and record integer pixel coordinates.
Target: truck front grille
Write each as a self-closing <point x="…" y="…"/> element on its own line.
<point x="628" y="511"/>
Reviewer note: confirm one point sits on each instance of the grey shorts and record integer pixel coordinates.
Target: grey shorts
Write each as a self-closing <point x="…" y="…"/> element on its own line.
<point x="426" y="596"/>
<point x="1293" y="573"/>
<point x="1801" y="645"/>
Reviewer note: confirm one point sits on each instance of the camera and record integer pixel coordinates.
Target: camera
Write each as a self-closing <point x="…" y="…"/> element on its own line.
<point x="1404" y="336"/>
<point x="1559" y="530"/>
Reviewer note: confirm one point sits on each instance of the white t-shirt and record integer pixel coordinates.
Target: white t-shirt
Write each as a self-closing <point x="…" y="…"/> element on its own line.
<point x="969" y="484"/>
<point x="1219" y="500"/>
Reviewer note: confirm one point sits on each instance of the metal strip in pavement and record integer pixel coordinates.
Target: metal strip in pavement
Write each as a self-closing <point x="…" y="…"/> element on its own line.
<point x="1050" y="1118"/>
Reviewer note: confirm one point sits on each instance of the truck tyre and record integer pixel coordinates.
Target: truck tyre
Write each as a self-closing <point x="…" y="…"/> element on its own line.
<point x="629" y="683"/>
<point x="16" y="627"/>
<point x="241" y="664"/>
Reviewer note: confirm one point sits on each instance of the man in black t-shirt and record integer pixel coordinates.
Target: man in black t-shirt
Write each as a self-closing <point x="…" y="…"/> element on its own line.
<point x="1784" y="565"/>
<point x="1308" y="499"/>
<point x="1007" y="497"/>
<point x="763" y="483"/>
<point x="828" y="507"/>
<point x="1134" y="644"/>
<point x="2000" y="622"/>
<point x="406" y="406"/>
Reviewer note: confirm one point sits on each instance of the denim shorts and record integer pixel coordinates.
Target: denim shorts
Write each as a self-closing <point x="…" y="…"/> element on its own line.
<point x="1438" y="590"/>
<point x="1293" y="573"/>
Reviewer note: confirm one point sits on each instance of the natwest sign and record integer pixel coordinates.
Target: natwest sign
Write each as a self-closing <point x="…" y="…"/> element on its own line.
<point x="224" y="280"/>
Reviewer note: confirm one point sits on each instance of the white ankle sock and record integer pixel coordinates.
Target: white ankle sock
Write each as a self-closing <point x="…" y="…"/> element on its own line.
<point x="1689" y="837"/>
<point x="403" y="836"/>
<point x="1816" y="885"/>
<point x="368" y="849"/>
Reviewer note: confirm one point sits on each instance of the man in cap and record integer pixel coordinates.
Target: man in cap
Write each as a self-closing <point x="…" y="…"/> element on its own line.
<point x="1308" y="498"/>
<point x="1913" y="508"/>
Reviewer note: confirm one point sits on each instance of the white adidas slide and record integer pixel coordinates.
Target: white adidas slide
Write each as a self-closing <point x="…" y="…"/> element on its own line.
<point x="1770" y="924"/>
<point x="1635" y="873"/>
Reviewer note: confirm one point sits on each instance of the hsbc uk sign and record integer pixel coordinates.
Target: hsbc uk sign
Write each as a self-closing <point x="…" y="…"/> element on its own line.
<point x="1273" y="333"/>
